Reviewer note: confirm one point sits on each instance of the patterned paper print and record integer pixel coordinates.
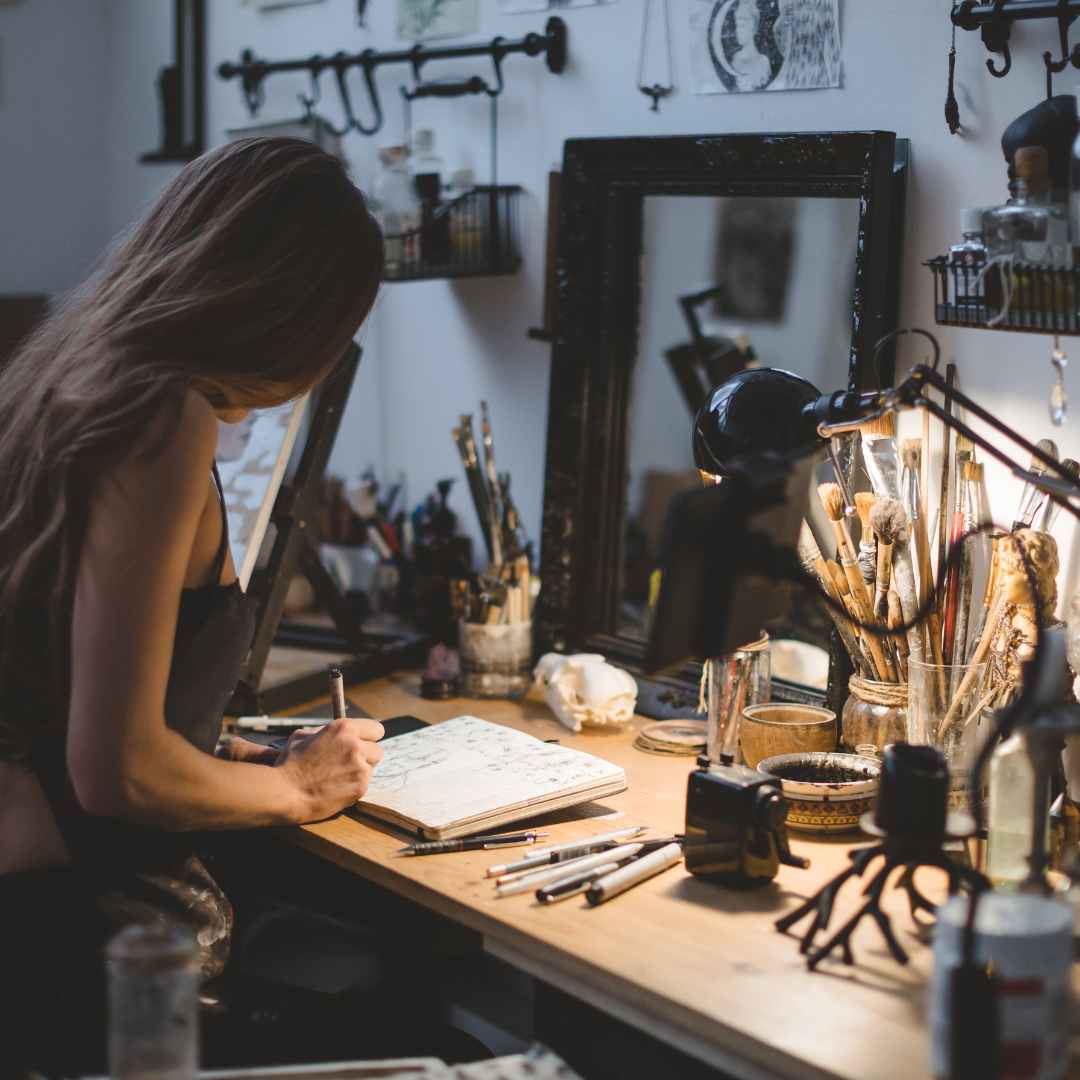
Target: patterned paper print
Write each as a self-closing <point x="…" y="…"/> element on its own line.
<point x="418" y="20"/>
<point x="743" y="46"/>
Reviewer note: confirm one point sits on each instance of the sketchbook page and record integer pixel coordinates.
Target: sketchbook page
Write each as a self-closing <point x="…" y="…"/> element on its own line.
<point x="251" y="458"/>
<point x="468" y="767"/>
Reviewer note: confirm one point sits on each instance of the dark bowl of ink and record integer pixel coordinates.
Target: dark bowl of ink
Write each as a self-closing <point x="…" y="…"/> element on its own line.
<point x="826" y="792"/>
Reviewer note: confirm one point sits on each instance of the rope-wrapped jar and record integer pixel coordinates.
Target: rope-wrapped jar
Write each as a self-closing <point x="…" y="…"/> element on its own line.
<point x="875" y="713"/>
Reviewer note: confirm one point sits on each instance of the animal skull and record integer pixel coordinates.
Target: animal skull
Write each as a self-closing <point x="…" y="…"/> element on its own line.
<point x="583" y="690"/>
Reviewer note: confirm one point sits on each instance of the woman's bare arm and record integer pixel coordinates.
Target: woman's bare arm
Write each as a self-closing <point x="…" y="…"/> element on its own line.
<point x="124" y="760"/>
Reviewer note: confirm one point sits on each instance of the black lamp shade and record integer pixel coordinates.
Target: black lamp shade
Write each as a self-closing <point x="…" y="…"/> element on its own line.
<point x="759" y="410"/>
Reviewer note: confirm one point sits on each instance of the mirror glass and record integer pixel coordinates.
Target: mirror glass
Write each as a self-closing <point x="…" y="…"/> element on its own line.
<point x="726" y="282"/>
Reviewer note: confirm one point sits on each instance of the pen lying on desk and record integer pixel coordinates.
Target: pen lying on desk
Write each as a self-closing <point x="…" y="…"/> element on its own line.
<point x="571" y="862"/>
<point x="570" y="849"/>
<point x="638" y="870"/>
<point x="470" y="843"/>
<point x="528" y="882"/>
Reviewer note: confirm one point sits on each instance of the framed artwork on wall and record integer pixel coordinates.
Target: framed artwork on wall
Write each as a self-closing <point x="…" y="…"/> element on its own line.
<point x="421" y="20"/>
<point x="519" y="7"/>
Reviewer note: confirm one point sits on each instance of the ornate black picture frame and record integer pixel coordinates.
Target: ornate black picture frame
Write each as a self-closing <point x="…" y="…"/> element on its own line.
<point x="604" y="184"/>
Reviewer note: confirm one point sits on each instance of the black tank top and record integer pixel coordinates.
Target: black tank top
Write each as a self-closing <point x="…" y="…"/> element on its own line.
<point x="214" y="629"/>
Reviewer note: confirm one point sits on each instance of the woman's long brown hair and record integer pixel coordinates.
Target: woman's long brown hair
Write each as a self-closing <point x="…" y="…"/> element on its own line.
<point x="246" y="280"/>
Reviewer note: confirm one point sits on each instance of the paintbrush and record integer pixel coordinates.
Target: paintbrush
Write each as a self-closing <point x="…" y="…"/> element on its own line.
<point x="813" y="563"/>
<point x="895" y="619"/>
<point x="495" y="502"/>
<point x="946" y="494"/>
<point x="954" y="578"/>
<point x="968" y="504"/>
<point x="890" y="524"/>
<point x="864" y="500"/>
<point x="842" y="589"/>
<point x="463" y="436"/>
<point x="1031" y="498"/>
<point x="1052" y="509"/>
<point x="911" y="453"/>
<point x="880" y="455"/>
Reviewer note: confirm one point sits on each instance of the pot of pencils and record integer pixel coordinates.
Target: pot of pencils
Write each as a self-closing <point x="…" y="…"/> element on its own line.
<point x="495" y="637"/>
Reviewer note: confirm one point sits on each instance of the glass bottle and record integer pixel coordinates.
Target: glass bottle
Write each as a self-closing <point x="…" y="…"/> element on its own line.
<point x="428" y="170"/>
<point x="153" y="985"/>
<point x="1029" y="226"/>
<point x="969" y="257"/>
<point x="1009" y="813"/>
<point x="398" y="209"/>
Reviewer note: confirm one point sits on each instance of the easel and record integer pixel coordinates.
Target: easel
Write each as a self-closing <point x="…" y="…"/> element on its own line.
<point x="296" y="548"/>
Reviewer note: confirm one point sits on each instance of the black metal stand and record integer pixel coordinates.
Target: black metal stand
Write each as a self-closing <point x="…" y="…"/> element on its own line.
<point x="898" y="852"/>
<point x="551" y="44"/>
<point x="294" y="549"/>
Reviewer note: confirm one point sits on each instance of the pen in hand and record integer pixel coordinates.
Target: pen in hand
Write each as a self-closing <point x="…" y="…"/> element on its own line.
<point x="337" y="694"/>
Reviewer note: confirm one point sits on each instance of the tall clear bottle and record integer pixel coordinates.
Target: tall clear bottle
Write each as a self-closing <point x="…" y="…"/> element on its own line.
<point x="1009" y="813"/>
<point x="398" y="209"/>
<point x="969" y="257"/>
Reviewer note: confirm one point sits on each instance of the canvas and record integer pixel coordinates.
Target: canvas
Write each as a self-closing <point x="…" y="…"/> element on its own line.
<point x="252" y="456"/>
<point x="742" y="46"/>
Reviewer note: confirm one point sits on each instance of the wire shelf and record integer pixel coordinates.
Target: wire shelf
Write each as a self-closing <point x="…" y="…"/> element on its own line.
<point x="474" y="235"/>
<point x="1030" y="298"/>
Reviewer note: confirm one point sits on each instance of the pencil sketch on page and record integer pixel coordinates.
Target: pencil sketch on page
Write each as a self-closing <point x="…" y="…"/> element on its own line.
<point x="252" y="456"/>
<point x="467" y="767"/>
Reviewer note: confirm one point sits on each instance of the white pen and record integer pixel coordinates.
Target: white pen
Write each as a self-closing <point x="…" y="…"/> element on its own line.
<point x="550" y="853"/>
<point x="618" y="881"/>
<point x="528" y="882"/>
<point x="273" y="723"/>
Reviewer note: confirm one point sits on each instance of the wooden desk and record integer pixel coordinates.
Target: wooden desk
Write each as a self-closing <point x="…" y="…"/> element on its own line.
<point x="694" y="964"/>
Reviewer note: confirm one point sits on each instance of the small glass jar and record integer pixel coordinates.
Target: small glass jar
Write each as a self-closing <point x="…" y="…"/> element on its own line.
<point x="735" y="681"/>
<point x="875" y="714"/>
<point x="496" y="660"/>
<point x="153" y="980"/>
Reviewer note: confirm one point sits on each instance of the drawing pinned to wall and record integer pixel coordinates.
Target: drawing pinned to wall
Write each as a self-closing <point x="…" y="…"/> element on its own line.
<point x="252" y="456"/>
<point x="419" y="20"/>
<point x="518" y="7"/>
<point x="740" y="46"/>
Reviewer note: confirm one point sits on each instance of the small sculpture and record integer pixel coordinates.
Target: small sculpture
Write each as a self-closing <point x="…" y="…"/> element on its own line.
<point x="583" y="690"/>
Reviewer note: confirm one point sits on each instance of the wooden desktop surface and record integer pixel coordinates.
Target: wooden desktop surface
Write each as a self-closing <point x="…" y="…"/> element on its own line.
<point x="695" y="964"/>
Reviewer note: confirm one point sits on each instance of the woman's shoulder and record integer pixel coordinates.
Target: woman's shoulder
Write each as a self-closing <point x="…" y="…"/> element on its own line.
<point x="175" y="452"/>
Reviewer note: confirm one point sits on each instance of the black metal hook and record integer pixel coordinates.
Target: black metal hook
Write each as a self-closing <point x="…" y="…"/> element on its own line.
<point x="1055" y="67"/>
<point x="995" y="35"/>
<point x="340" y="62"/>
<point x="251" y="81"/>
<point x="309" y="101"/>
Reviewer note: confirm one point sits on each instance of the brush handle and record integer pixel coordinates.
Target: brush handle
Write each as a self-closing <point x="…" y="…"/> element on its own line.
<point x="843" y="626"/>
<point x="997" y="610"/>
<point x="884" y="579"/>
<point x="904" y="577"/>
<point x="863" y="604"/>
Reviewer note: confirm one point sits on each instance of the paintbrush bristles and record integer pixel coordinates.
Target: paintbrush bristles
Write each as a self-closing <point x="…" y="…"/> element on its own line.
<point x="911" y="453"/>
<point x="883" y="426"/>
<point x="889" y="521"/>
<point x="864" y="503"/>
<point x="832" y="499"/>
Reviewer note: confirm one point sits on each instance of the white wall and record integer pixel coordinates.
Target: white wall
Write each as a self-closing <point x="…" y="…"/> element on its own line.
<point x="53" y="106"/>
<point x="441" y="346"/>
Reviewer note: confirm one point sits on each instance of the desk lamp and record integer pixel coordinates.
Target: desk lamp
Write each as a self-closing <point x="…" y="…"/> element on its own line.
<point x="728" y="548"/>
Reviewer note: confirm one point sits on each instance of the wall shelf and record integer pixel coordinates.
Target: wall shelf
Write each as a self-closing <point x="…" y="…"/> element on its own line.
<point x="474" y="235"/>
<point x="1035" y="299"/>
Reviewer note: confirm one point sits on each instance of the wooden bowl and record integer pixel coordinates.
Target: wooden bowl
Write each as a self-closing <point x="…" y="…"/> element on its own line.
<point x="771" y="729"/>
<point x="826" y="793"/>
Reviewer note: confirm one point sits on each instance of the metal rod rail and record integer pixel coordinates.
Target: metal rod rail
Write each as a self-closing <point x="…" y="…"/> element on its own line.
<point x="251" y="71"/>
<point x="971" y="16"/>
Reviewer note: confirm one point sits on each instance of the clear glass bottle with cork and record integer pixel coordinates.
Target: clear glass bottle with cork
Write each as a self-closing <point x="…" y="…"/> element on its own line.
<point x="428" y="170"/>
<point x="1029" y="227"/>
<point x="969" y="257"/>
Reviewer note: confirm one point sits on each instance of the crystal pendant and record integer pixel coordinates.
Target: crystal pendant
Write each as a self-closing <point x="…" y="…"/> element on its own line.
<point x="1059" y="402"/>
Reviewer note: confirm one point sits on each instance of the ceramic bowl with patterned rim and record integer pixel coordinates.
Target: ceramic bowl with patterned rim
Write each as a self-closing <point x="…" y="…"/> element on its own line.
<point x="826" y="792"/>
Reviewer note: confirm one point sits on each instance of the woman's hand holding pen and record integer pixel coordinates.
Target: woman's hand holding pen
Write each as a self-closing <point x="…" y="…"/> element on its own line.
<point x="332" y="768"/>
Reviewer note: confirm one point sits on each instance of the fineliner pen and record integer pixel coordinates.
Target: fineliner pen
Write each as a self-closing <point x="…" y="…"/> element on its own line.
<point x="569" y="849"/>
<point x="528" y="882"/>
<point x="470" y="843"/>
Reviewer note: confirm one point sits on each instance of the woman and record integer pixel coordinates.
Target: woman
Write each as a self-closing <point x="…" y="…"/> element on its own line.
<point x="122" y="626"/>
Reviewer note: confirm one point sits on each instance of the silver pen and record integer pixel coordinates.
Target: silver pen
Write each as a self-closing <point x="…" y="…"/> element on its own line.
<point x="574" y="884"/>
<point x="527" y="882"/>
<point x="569" y="849"/>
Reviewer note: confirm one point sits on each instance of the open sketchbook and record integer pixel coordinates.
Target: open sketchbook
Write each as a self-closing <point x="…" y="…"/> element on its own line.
<point x="468" y="775"/>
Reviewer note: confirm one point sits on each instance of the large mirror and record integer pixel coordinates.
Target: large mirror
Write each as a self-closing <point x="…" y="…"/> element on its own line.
<point x="681" y="262"/>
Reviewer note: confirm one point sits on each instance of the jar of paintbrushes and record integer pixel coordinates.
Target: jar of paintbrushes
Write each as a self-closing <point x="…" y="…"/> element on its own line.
<point x="494" y="608"/>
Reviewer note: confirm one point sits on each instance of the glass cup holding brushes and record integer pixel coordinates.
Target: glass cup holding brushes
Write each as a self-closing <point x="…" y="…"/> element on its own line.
<point x="494" y="608"/>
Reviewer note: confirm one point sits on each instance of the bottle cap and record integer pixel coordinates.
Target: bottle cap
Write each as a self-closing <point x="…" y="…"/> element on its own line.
<point x="1031" y="162"/>
<point x="971" y="219"/>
